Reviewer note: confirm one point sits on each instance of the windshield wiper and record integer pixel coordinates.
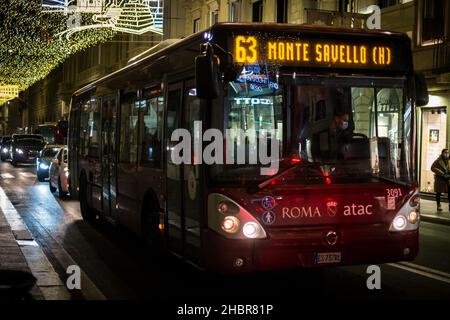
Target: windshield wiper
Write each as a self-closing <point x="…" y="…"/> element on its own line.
<point x="261" y="185"/>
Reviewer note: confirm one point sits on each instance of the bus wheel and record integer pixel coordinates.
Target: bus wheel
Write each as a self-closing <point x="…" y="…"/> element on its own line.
<point x="150" y="230"/>
<point x="87" y="212"/>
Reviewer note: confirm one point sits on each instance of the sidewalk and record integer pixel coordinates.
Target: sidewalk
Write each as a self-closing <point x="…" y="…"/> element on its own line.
<point x="429" y="213"/>
<point x="19" y="251"/>
<point x="11" y="256"/>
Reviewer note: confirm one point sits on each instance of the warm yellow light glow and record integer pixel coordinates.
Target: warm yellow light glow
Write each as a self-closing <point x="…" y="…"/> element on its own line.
<point x="305" y="52"/>
<point x="246" y="49"/>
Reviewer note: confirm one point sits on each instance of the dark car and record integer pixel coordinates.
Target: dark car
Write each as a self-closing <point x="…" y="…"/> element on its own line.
<point x="44" y="160"/>
<point x="25" y="148"/>
<point x="5" y="144"/>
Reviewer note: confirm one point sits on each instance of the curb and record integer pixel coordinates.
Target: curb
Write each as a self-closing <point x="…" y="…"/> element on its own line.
<point x="435" y="219"/>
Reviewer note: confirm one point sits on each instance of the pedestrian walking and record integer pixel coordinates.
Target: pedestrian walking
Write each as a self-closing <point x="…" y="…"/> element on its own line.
<point x="441" y="169"/>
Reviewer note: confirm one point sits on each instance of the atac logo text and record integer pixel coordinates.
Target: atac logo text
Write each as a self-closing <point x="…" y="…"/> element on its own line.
<point x="358" y="210"/>
<point x="301" y="212"/>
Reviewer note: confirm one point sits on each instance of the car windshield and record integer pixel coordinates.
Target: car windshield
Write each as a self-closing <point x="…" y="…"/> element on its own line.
<point x="35" y="142"/>
<point x="50" y="152"/>
<point x="339" y="129"/>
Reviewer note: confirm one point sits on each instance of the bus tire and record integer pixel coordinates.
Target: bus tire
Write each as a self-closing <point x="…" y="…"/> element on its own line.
<point x="87" y="212"/>
<point x="150" y="223"/>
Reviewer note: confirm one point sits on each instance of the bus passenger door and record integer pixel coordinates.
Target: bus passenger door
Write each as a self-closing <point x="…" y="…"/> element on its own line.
<point x="109" y="113"/>
<point x="192" y="176"/>
<point x="174" y="174"/>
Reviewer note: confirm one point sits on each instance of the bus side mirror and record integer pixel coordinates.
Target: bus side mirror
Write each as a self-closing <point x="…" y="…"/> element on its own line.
<point x="421" y="90"/>
<point x="207" y="74"/>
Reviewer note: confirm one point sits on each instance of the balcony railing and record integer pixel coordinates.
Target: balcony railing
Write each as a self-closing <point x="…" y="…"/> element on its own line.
<point x="441" y="55"/>
<point x="336" y="18"/>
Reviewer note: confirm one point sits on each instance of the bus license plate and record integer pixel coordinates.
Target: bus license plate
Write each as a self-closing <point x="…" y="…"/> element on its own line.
<point x="328" y="257"/>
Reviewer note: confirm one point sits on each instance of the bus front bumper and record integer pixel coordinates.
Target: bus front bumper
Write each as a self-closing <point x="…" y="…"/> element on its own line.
<point x="289" y="249"/>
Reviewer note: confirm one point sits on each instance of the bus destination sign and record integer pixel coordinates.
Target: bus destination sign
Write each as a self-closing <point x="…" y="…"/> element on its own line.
<point x="312" y="53"/>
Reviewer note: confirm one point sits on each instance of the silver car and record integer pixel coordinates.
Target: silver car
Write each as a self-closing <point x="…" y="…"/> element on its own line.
<point x="59" y="173"/>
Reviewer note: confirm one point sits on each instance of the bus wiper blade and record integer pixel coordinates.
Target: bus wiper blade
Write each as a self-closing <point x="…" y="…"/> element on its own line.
<point x="264" y="183"/>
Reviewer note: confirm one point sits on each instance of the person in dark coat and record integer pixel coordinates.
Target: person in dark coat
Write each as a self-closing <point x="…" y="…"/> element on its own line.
<point x="441" y="169"/>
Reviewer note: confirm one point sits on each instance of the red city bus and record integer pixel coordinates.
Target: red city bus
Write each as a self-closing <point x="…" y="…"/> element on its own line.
<point x="53" y="132"/>
<point x="339" y="105"/>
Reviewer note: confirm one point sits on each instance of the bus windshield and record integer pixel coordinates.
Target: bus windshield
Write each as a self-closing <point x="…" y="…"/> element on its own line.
<point x="336" y="128"/>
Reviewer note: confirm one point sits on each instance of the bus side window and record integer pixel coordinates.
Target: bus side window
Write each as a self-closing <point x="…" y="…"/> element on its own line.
<point x="93" y="132"/>
<point x="128" y="128"/>
<point x="152" y="131"/>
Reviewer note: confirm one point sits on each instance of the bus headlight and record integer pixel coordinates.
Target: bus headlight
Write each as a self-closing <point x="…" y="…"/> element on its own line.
<point x="408" y="217"/>
<point x="230" y="224"/>
<point x="251" y="230"/>
<point x="5" y="150"/>
<point x="19" y="151"/>
<point x="232" y="221"/>
<point x="399" y="223"/>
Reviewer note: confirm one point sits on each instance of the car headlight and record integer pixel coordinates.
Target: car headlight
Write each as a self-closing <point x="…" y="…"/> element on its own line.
<point x="43" y="166"/>
<point x="19" y="151"/>
<point x="5" y="150"/>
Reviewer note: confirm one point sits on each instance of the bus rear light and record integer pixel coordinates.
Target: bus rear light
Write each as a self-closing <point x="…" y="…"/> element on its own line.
<point x="237" y="223"/>
<point x="230" y="224"/>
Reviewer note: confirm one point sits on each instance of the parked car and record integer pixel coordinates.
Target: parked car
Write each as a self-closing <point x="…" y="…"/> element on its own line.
<point x="44" y="160"/>
<point x="59" y="173"/>
<point x="25" y="148"/>
<point x="5" y="144"/>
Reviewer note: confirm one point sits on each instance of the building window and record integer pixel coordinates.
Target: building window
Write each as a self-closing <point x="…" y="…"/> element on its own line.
<point x="257" y="15"/>
<point x="282" y="11"/>
<point x="196" y="25"/>
<point x="388" y="3"/>
<point x="214" y="17"/>
<point x="433" y="21"/>
<point x="234" y="11"/>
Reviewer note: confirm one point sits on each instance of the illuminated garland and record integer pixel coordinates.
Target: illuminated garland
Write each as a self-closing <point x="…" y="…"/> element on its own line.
<point x="29" y="47"/>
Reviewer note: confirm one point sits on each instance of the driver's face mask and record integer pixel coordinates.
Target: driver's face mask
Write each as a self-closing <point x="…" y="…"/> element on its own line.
<point x="344" y="125"/>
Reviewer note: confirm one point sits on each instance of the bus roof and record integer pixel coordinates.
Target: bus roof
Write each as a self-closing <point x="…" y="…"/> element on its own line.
<point x="165" y="47"/>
